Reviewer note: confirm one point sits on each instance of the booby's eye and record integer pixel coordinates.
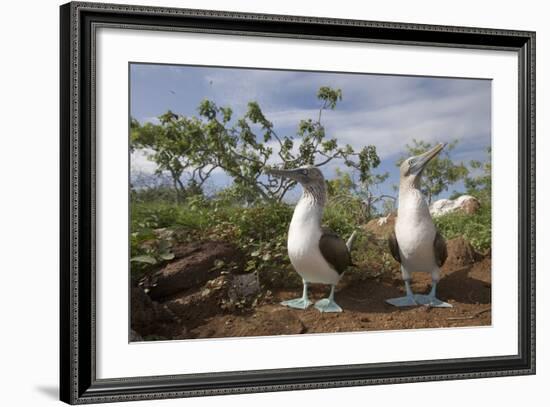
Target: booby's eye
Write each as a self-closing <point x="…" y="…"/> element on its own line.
<point x="304" y="172"/>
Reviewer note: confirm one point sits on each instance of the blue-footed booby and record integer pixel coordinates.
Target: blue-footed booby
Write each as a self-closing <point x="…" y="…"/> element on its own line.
<point x="318" y="254"/>
<point x="416" y="244"/>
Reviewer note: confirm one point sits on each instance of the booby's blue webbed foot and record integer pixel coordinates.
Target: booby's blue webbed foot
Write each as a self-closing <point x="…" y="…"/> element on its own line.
<point x="407" y="301"/>
<point x="431" y="301"/>
<point x="328" y="304"/>
<point x="298" y="303"/>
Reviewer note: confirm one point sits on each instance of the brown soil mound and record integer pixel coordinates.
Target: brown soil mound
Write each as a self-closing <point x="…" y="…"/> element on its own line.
<point x="194" y="265"/>
<point x="460" y="254"/>
<point x="467" y="288"/>
<point x="381" y="227"/>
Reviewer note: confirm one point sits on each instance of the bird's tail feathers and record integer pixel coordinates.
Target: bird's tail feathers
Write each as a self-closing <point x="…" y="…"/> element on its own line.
<point x="350" y="241"/>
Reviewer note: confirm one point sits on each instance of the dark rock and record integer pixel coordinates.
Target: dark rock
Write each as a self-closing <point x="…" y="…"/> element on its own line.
<point x="244" y="286"/>
<point x="195" y="264"/>
<point x="193" y="307"/>
<point x="149" y="317"/>
<point x="225" y="293"/>
<point x="134" y="336"/>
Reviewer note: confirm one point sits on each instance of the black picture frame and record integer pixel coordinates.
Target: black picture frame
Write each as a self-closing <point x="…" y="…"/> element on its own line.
<point x="78" y="382"/>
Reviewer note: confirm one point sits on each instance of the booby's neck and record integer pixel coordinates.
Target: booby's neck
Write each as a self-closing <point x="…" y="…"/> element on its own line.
<point x="411" y="201"/>
<point x="309" y="208"/>
<point x="315" y="194"/>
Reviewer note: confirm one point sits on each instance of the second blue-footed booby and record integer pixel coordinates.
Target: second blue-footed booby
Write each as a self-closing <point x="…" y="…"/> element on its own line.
<point x="416" y="244"/>
<point x="318" y="254"/>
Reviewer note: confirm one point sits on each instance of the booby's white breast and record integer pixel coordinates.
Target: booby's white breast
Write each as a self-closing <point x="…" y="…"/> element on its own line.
<point x="415" y="233"/>
<point x="303" y="245"/>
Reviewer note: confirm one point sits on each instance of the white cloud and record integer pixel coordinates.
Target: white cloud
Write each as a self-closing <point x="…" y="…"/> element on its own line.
<point x="140" y="163"/>
<point x="443" y="119"/>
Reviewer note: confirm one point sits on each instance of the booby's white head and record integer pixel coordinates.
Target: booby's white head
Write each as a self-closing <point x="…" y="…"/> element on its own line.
<point x="310" y="177"/>
<point x="411" y="169"/>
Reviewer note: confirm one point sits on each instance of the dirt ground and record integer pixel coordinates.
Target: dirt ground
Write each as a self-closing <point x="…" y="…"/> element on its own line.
<point x="467" y="289"/>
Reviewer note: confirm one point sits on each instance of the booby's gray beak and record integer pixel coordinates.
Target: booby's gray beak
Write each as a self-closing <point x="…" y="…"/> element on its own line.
<point x="419" y="162"/>
<point x="294" y="174"/>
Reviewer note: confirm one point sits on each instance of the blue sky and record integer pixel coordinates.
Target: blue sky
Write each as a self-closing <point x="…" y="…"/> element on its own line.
<point x="387" y="111"/>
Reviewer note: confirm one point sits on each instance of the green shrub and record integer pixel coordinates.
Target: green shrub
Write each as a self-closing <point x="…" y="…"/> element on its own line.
<point x="344" y="215"/>
<point x="261" y="232"/>
<point x="475" y="228"/>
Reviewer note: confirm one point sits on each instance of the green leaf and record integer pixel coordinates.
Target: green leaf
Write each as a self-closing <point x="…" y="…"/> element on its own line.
<point x="144" y="259"/>
<point x="166" y="256"/>
<point x="218" y="263"/>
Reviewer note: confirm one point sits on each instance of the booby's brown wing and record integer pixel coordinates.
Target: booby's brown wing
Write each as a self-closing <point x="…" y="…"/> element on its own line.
<point x="440" y="249"/>
<point x="334" y="250"/>
<point x="394" y="246"/>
